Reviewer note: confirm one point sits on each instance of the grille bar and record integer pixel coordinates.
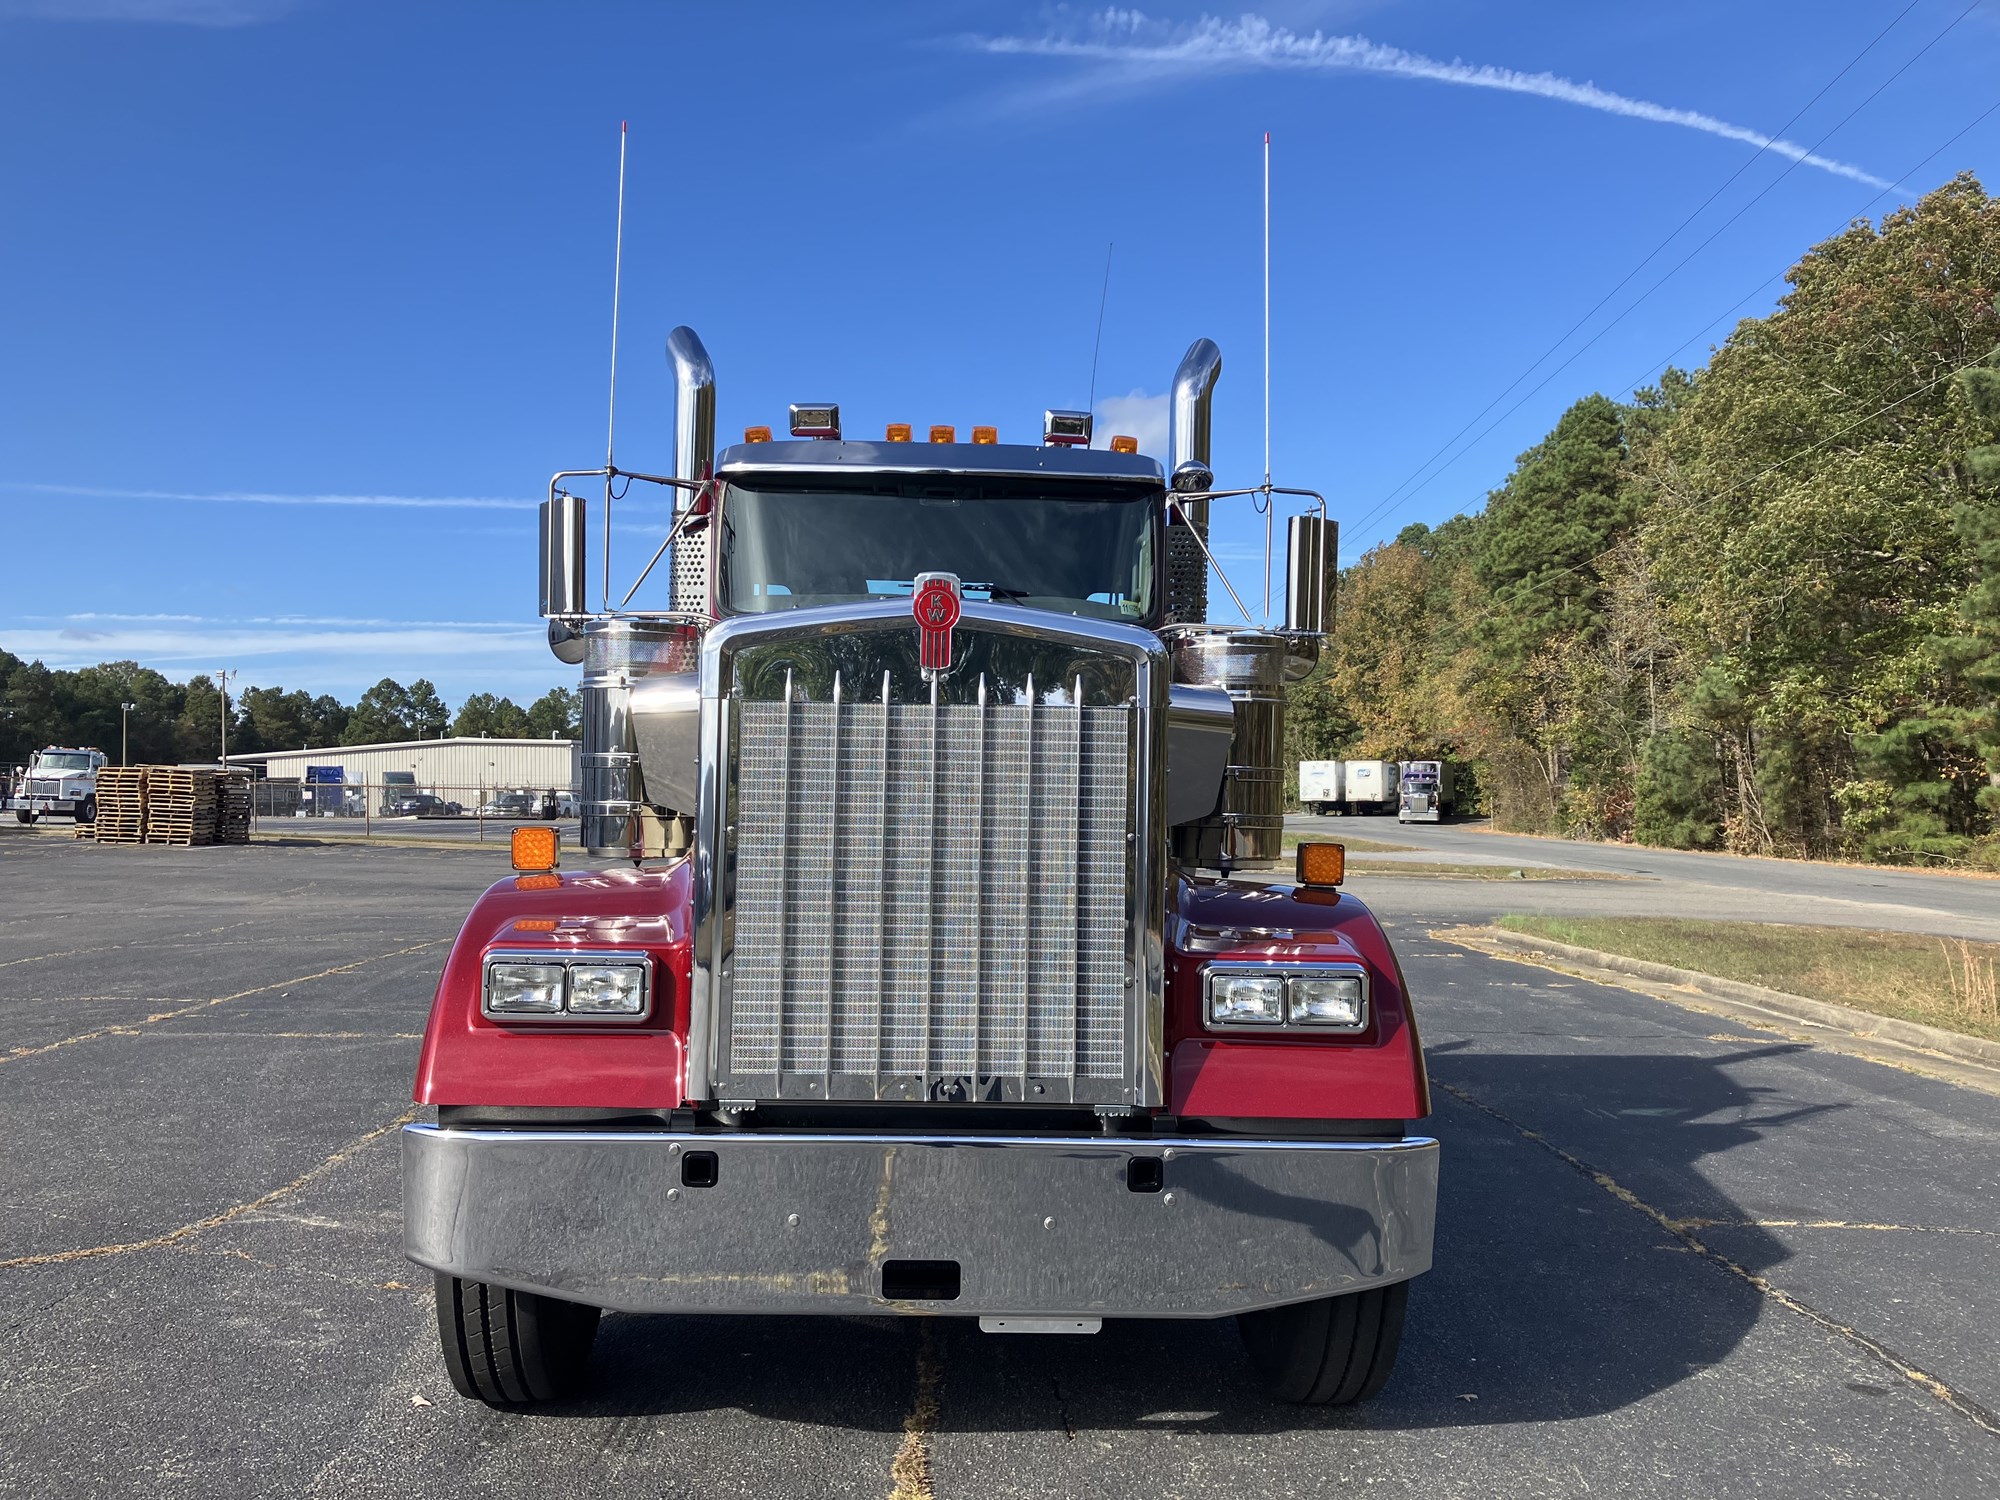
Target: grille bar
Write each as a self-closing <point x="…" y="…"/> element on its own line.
<point x="930" y="899"/>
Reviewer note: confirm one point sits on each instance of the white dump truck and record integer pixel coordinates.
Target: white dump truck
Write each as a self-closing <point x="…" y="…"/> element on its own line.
<point x="59" y="779"/>
<point x="1370" y="785"/>
<point x="1320" y="786"/>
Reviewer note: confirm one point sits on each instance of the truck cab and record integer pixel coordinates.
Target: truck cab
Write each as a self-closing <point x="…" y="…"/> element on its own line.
<point x="938" y="959"/>
<point x="59" y="779"/>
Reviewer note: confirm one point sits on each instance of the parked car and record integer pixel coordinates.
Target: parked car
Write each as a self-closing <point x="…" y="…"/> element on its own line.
<point x="423" y="805"/>
<point x="511" y="805"/>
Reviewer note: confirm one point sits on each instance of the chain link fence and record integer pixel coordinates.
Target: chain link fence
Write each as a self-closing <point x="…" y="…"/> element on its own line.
<point x="406" y="809"/>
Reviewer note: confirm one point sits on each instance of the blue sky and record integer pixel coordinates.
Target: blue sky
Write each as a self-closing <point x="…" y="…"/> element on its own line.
<point x="347" y="264"/>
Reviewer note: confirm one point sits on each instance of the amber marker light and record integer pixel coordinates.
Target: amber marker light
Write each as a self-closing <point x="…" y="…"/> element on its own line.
<point x="1123" y="444"/>
<point x="898" y="432"/>
<point x="944" y="434"/>
<point x="985" y="436"/>
<point x="534" y="848"/>
<point x="1322" y="864"/>
<point x="536" y="924"/>
<point x="756" y="434"/>
<point x="538" y="883"/>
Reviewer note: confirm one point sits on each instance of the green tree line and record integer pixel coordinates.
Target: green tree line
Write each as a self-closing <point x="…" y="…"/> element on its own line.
<point x="182" y="721"/>
<point x="1755" y="608"/>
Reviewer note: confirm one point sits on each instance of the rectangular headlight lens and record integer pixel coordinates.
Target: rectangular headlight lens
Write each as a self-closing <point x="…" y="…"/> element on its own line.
<point x="524" y="989"/>
<point x="1334" y="1001"/>
<point x="1246" y="1000"/>
<point x="607" y="989"/>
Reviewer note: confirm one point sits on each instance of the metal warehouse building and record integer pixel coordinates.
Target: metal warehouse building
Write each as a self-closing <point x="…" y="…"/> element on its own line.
<point x="438" y="765"/>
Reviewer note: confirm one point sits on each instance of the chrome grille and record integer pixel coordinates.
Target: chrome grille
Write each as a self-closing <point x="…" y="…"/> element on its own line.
<point x="930" y="900"/>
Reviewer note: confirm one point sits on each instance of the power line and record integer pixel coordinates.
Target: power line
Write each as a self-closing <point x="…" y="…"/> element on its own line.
<point x="1976" y="121"/>
<point x="1390" y="504"/>
<point x="1648" y="258"/>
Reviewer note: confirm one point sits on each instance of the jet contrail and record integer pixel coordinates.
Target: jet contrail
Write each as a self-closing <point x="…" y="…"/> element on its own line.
<point x="1131" y="39"/>
<point x="244" y="497"/>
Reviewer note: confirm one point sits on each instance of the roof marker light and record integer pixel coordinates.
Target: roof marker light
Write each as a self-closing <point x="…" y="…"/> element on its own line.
<point x="1123" y="444"/>
<point x="944" y="434"/>
<point x="897" y="432"/>
<point x="815" y="419"/>
<point x="1066" y="429"/>
<point x="985" y="436"/>
<point x="756" y="434"/>
<point x="534" y="848"/>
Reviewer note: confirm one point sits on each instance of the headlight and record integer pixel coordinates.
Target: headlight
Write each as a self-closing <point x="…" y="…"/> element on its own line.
<point x="532" y="985"/>
<point x="1254" y="996"/>
<point x="607" y="989"/>
<point x="1335" y="1001"/>
<point x="1246" y="999"/>
<point x="524" y="989"/>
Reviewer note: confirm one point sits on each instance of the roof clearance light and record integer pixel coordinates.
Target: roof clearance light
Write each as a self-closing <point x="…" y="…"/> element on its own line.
<point x="1124" y="444"/>
<point x="815" y="419"/>
<point x="985" y="436"/>
<point x="535" y="848"/>
<point x="1066" y="429"/>
<point x="756" y="434"/>
<point x="944" y="434"/>
<point x="1322" y="864"/>
<point x="897" y="432"/>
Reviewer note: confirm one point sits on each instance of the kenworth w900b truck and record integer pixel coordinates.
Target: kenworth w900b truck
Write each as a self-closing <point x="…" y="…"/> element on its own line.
<point x="920" y="971"/>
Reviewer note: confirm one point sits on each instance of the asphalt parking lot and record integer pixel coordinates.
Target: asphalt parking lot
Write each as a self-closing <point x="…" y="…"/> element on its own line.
<point x="1676" y="1256"/>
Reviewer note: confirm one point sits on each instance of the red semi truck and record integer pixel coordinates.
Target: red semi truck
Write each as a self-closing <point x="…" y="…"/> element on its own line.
<point x="919" y="972"/>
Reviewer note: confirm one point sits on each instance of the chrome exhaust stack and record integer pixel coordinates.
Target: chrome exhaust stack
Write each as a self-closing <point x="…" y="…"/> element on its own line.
<point x="1192" y="469"/>
<point x="694" y="459"/>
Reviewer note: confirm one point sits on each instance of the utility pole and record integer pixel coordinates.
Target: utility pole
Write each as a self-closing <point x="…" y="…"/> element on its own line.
<point x="222" y="683"/>
<point x="123" y="710"/>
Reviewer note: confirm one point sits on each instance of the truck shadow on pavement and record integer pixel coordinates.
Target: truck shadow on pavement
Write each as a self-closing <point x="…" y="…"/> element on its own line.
<point x="1555" y="1294"/>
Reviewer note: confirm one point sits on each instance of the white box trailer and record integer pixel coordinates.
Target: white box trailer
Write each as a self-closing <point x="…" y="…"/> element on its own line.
<point x="1320" y="786"/>
<point x="1370" y="785"/>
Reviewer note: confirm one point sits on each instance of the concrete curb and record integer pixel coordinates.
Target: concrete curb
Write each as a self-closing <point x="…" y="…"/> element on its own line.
<point x="1796" y="1007"/>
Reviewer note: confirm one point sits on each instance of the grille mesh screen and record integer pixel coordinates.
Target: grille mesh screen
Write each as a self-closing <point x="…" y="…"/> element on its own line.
<point x="930" y="891"/>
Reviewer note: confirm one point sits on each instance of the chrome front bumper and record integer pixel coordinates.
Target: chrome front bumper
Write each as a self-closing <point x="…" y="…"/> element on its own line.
<point x="1038" y="1226"/>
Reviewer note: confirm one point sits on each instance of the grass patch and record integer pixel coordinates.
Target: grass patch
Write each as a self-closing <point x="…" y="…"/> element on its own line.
<point x="1354" y="846"/>
<point x="1438" y="871"/>
<point x="1942" y="982"/>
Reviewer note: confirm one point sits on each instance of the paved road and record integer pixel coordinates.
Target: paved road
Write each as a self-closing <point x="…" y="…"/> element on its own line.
<point x="1668" y="882"/>
<point x="1675" y="1256"/>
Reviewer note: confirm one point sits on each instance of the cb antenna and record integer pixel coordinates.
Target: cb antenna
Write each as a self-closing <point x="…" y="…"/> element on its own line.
<point x="1269" y="509"/>
<point x="611" y="418"/>
<point x="1103" y="296"/>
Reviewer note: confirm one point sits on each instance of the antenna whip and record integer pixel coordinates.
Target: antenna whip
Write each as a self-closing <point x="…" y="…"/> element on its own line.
<point x="1098" y="343"/>
<point x="611" y="418"/>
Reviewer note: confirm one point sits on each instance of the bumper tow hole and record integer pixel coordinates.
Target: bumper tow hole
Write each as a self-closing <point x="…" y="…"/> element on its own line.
<point x="1145" y="1174"/>
<point x="699" y="1169"/>
<point x="920" y="1280"/>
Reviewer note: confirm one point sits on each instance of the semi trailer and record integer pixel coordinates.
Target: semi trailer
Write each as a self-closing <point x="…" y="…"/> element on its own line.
<point x="907" y="967"/>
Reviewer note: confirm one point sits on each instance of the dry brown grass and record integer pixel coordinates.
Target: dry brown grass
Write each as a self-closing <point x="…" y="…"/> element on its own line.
<point x="1951" y="984"/>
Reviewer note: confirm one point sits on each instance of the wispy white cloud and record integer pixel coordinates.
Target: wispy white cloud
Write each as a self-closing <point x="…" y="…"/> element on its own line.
<point x="166" y="12"/>
<point x="75" y="646"/>
<point x="1131" y="49"/>
<point x="290" y="621"/>
<point x="1136" y="415"/>
<point x="251" y="497"/>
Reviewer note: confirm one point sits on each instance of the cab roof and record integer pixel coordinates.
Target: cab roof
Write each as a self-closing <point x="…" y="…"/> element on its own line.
<point x="842" y="456"/>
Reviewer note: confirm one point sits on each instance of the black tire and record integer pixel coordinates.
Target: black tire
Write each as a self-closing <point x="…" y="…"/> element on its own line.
<point x="22" y="815"/>
<point x="87" y="811"/>
<point x="509" y="1348"/>
<point x="1332" y="1352"/>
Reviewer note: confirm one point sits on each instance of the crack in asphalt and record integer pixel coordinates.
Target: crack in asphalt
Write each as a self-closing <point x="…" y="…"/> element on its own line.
<point x="173" y="1237"/>
<point x="1683" y="1230"/>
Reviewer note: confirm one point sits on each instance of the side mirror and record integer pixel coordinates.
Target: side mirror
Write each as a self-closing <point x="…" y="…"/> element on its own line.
<point x="1312" y="557"/>
<point x="563" y="571"/>
<point x="1193" y="478"/>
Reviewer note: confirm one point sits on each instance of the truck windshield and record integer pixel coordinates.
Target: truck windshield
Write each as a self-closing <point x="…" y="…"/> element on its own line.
<point x="1079" y="549"/>
<point x="72" y="760"/>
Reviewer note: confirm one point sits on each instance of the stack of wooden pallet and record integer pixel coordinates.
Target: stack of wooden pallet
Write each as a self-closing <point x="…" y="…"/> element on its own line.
<point x="121" y="807"/>
<point x="180" y="805"/>
<point x="232" y="810"/>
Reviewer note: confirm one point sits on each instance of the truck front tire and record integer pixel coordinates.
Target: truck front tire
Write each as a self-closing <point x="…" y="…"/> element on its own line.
<point x="1331" y="1352"/>
<point x="509" y="1348"/>
<point x="86" y="810"/>
<point x="22" y="815"/>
